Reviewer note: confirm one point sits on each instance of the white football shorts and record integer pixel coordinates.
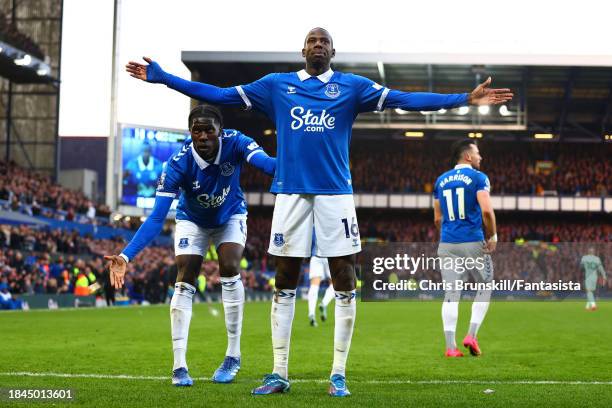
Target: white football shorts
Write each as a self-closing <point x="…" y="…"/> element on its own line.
<point x="191" y="239"/>
<point x="334" y="220"/>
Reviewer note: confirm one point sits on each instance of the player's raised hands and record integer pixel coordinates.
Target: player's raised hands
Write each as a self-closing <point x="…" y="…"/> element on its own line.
<point x="483" y="95"/>
<point x="150" y="72"/>
<point x="117" y="267"/>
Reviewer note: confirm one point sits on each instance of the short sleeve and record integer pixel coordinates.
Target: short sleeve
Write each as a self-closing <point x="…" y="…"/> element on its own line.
<point x="169" y="182"/>
<point x="258" y="94"/>
<point x="370" y="95"/>
<point x="483" y="183"/>
<point x="247" y="147"/>
<point x="436" y="193"/>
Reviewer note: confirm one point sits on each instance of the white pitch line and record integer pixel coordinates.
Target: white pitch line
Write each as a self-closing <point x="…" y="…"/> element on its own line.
<point x="303" y="380"/>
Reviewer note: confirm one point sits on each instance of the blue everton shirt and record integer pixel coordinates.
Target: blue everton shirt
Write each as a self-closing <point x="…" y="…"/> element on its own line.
<point x="210" y="192"/>
<point x="314" y="117"/>
<point x="461" y="215"/>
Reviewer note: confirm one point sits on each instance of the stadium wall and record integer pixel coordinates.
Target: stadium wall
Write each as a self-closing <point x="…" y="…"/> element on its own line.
<point x="425" y="201"/>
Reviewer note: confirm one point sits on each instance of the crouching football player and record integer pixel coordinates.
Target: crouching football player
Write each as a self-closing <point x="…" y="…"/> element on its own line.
<point x="211" y="207"/>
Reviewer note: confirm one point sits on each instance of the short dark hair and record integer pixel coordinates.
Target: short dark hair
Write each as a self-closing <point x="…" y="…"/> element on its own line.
<point x="459" y="147"/>
<point x="205" y="111"/>
<point x="320" y="29"/>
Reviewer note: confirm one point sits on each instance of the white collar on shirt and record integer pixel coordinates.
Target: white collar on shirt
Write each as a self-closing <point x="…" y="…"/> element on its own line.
<point x="202" y="164"/>
<point x="463" y="166"/>
<point x="324" y="77"/>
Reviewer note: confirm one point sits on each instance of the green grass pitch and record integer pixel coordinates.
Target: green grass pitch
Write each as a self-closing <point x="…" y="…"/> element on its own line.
<point x="396" y="357"/>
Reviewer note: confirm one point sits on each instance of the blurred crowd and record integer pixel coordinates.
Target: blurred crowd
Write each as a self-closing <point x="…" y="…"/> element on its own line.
<point x="528" y="261"/>
<point x="35" y="261"/>
<point x="43" y="261"/>
<point x="36" y="194"/>
<point x="395" y="227"/>
<point x="513" y="168"/>
<point x="408" y="167"/>
<point x="11" y="35"/>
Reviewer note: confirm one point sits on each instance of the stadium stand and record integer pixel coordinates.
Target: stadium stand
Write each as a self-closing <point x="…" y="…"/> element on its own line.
<point x="400" y="166"/>
<point x="36" y="194"/>
<point x="50" y="259"/>
<point x="408" y="167"/>
<point x="44" y="261"/>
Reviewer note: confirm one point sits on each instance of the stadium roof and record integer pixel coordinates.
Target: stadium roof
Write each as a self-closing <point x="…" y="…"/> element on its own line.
<point x="572" y="103"/>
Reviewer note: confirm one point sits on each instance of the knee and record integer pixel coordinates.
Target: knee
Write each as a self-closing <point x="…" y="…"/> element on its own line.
<point x="344" y="277"/>
<point x="229" y="267"/>
<point x="282" y="280"/>
<point x="188" y="268"/>
<point x="287" y="272"/>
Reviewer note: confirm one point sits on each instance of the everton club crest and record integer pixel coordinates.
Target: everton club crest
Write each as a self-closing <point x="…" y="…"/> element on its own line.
<point x="227" y="169"/>
<point x="332" y="90"/>
<point x="183" y="243"/>
<point x="279" y="240"/>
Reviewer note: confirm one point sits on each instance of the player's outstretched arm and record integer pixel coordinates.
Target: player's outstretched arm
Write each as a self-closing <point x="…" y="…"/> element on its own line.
<point x="484" y="95"/>
<point x="263" y="162"/>
<point x="255" y="155"/>
<point x="143" y="237"/>
<point x="153" y="72"/>
<point x="427" y="101"/>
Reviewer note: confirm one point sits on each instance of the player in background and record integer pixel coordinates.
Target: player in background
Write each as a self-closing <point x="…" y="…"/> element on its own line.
<point x="314" y="110"/>
<point x="462" y="204"/>
<point x="205" y="173"/>
<point x="592" y="266"/>
<point x="318" y="271"/>
<point x="142" y="173"/>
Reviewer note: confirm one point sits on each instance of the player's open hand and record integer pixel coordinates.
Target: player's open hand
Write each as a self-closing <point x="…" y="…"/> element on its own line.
<point x="483" y="95"/>
<point x="117" y="267"/>
<point x="150" y="72"/>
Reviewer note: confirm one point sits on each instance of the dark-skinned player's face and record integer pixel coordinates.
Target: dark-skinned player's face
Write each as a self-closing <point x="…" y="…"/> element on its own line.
<point x="318" y="48"/>
<point x="205" y="135"/>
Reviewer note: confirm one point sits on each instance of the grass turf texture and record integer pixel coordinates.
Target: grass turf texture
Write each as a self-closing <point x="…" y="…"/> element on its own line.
<point x="393" y="342"/>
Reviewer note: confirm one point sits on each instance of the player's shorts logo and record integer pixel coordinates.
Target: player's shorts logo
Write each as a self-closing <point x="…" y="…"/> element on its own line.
<point x="332" y="90"/>
<point x="183" y="243"/>
<point x="227" y="169"/>
<point x="279" y="240"/>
